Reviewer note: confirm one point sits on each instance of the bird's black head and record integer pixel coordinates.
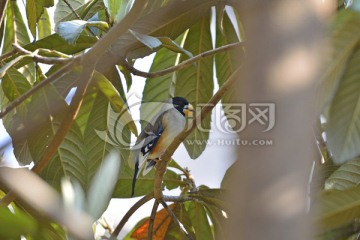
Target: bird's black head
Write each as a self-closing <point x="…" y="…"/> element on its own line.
<point x="183" y="106"/>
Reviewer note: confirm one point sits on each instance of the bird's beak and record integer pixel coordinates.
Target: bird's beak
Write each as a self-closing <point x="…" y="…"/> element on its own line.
<point x="189" y="110"/>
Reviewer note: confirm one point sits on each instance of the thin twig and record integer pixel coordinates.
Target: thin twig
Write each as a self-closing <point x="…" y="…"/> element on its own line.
<point x="130" y="212"/>
<point x="7" y="55"/>
<point x="166" y="157"/>
<point x="190" y="179"/>
<point x="152" y="220"/>
<point x="181" y="65"/>
<point x="41" y="59"/>
<point x="176" y="220"/>
<point x="180" y="199"/>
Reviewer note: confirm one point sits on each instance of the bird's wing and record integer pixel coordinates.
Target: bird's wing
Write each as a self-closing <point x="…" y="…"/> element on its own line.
<point x="144" y="144"/>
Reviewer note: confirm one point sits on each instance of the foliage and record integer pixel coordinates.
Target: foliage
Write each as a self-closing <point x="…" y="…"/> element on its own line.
<point x="70" y="142"/>
<point x="339" y="135"/>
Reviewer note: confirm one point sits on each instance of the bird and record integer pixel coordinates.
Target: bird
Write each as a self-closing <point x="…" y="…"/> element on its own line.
<point x="158" y="134"/>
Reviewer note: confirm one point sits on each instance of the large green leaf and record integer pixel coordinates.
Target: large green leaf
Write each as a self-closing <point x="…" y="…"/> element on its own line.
<point x="71" y="30"/>
<point x="47" y="109"/>
<point x="199" y="221"/>
<point x="338" y="207"/>
<point x="15" y="28"/>
<point x="62" y="9"/>
<point x="85" y="11"/>
<point x="16" y="31"/>
<point x="343" y="127"/>
<point x="161" y="88"/>
<point x="345" y="36"/>
<point x="227" y="62"/>
<point x="55" y="42"/>
<point x="196" y="83"/>
<point x="117" y="9"/>
<point x="34" y="10"/>
<point x="346" y="176"/>
<point x="15" y="84"/>
<point x="44" y="25"/>
<point x="117" y="103"/>
<point x="13" y="226"/>
<point x="171" y="21"/>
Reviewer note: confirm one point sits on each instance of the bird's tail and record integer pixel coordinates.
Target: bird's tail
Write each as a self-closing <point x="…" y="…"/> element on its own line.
<point x="135" y="177"/>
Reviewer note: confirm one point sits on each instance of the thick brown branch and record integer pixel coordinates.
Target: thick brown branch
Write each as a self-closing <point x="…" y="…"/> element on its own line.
<point x="181" y="65"/>
<point x="166" y="157"/>
<point x="130" y="212"/>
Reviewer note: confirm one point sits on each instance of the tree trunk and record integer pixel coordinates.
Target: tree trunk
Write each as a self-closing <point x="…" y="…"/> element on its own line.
<point x="270" y="183"/>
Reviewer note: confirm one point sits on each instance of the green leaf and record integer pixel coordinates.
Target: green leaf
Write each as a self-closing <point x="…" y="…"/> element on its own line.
<point x="106" y="87"/>
<point x="15" y="28"/>
<point x="149" y="41"/>
<point x="196" y="83"/>
<point x="102" y="185"/>
<point x="124" y="9"/>
<point x="14" y="84"/>
<point x="44" y="25"/>
<point x="110" y="92"/>
<point x="171" y="21"/>
<point x="62" y="9"/>
<point x="346" y="176"/>
<point x="71" y="30"/>
<point x="13" y="226"/>
<point x="338" y="207"/>
<point x="11" y="63"/>
<point x="47" y="108"/>
<point x="173" y="46"/>
<point x="85" y="11"/>
<point x="55" y="42"/>
<point x="344" y="36"/>
<point x="31" y="13"/>
<point x="199" y="221"/>
<point x="158" y="89"/>
<point x="343" y="127"/>
<point x="113" y="7"/>
<point x="227" y="62"/>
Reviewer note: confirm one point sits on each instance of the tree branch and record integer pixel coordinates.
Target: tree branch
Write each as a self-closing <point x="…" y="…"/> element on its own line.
<point x="152" y="220"/>
<point x="130" y="212"/>
<point x="166" y="157"/>
<point x="176" y="221"/>
<point x="41" y="59"/>
<point x="181" y="65"/>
